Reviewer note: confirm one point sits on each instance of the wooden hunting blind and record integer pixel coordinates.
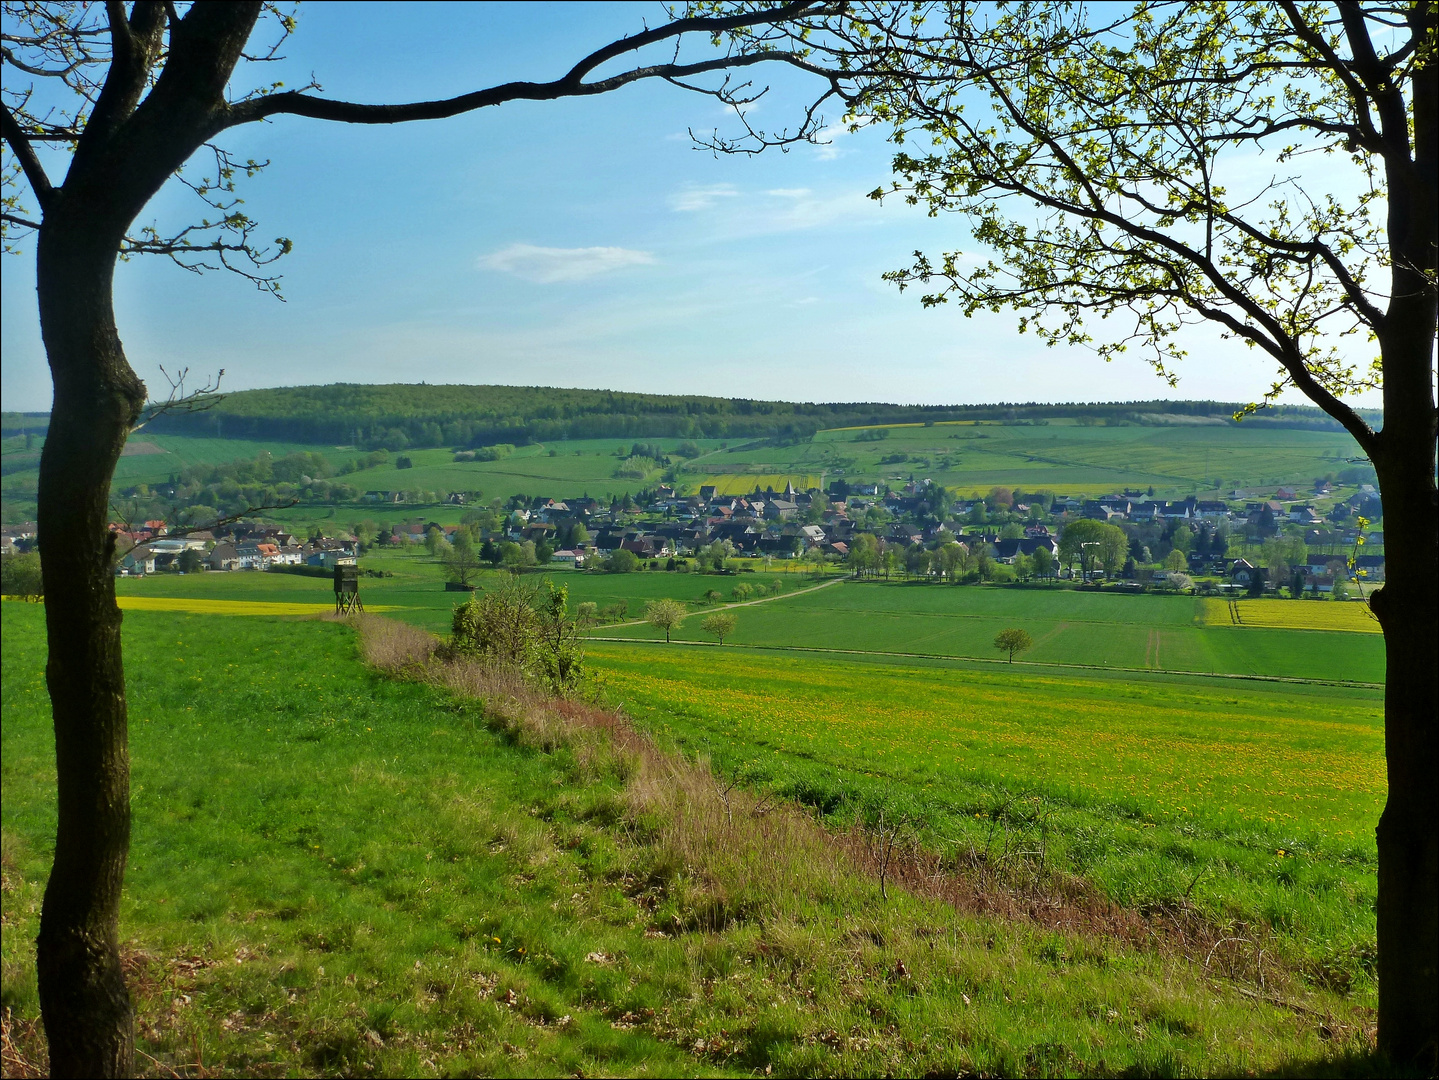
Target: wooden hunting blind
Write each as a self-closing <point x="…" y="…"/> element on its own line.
<point x="347" y="591"/>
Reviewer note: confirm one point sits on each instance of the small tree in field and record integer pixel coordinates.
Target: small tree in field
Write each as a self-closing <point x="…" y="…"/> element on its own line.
<point x="460" y="559"/>
<point x="1013" y="641"/>
<point x="719" y="625"/>
<point x="665" y="615"/>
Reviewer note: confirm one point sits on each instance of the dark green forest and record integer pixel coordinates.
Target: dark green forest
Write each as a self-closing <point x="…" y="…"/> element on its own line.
<point x="397" y="416"/>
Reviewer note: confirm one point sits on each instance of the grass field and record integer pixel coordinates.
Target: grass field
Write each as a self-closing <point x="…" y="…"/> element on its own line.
<point x="336" y="873"/>
<point x="1257" y="804"/>
<point x="1329" y="642"/>
<point x="1138" y="632"/>
<point x="415" y="592"/>
<point x="1073" y="459"/>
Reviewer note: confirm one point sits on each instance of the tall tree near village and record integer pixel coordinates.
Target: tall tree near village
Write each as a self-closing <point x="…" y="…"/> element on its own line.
<point x="123" y="98"/>
<point x="1268" y="169"/>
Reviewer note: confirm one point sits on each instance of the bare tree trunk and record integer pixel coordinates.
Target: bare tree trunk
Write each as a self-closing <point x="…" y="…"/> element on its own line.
<point x="1408" y="833"/>
<point x="84" y="1002"/>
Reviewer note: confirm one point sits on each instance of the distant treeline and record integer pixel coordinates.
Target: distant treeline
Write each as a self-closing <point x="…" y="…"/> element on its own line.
<point x="398" y="416"/>
<point x="23" y="423"/>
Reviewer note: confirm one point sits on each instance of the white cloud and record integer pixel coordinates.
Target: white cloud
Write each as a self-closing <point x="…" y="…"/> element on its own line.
<point x="789" y="192"/>
<point x="827" y="146"/>
<point x="548" y="265"/>
<point x="691" y="199"/>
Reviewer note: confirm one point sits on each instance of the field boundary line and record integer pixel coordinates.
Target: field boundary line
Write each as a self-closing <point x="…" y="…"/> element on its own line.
<point x="1351" y="683"/>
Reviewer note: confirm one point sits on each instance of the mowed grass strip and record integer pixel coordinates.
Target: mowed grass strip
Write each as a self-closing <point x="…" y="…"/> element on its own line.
<point x="336" y="873"/>
<point x="1258" y="804"/>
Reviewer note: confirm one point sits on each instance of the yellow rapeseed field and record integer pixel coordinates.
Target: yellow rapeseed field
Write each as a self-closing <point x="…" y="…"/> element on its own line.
<point x="744" y="483"/>
<point x="1354" y="617"/>
<point x="196" y="606"/>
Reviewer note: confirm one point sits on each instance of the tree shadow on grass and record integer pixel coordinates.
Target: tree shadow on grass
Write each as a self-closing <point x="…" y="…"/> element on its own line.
<point x="1352" y="1063"/>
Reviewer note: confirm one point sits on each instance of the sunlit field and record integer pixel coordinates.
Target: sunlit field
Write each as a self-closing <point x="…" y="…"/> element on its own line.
<point x="1353" y="616"/>
<point x="1257" y="801"/>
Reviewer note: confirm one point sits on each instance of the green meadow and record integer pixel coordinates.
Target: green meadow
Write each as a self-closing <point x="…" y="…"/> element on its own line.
<point x="1072" y="627"/>
<point x="1067" y="458"/>
<point x="1069" y="627"/>
<point x="417" y="594"/>
<point x="333" y="872"/>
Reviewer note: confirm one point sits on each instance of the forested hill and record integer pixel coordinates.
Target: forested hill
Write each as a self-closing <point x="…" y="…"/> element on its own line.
<point x="397" y="416"/>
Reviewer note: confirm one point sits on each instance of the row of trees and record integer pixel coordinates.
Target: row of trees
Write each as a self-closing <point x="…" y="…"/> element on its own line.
<point x="952" y="561"/>
<point x="667" y="615"/>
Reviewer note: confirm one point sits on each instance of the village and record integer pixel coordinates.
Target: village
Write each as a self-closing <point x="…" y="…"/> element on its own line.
<point x="1223" y="544"/>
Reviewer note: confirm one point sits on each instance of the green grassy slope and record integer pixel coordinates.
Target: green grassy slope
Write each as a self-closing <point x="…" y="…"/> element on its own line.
<point x="333" y="873"/>
<point x="1175" y="460"/>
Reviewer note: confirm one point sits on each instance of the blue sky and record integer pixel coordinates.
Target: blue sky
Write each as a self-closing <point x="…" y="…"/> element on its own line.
<point x="575" y="243"/>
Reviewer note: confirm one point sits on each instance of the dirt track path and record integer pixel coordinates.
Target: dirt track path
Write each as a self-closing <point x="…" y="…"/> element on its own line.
<point x="748" y="603"/>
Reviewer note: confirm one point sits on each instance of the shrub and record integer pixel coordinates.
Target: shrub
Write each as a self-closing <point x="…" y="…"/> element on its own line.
<point x="500" y="626"/>
<point x="20" y="575"/>
<point x="621" y="562"/>
<point x="520" y="627"/>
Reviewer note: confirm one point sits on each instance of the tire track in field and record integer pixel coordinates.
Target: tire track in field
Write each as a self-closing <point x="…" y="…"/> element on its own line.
<point x="1058" y="629"/>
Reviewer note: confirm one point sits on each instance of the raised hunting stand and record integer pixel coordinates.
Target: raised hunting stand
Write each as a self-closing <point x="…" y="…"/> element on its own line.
<point x="347" y="591"/>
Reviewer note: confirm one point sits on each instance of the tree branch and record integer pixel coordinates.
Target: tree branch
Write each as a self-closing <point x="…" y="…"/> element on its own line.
<point x="571" y="84"/>
<point x="25" y="154"/>
<point x="201" y="400"/>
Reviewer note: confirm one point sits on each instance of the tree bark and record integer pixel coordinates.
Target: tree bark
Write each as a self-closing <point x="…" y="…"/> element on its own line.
<point x="84" y="1002"/>
<point x="1407" y="607"/>
<point x="1408" y="832"/>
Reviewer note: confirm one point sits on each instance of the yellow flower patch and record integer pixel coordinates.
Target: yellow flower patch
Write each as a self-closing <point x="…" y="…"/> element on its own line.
<point x="196" y="606"/>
